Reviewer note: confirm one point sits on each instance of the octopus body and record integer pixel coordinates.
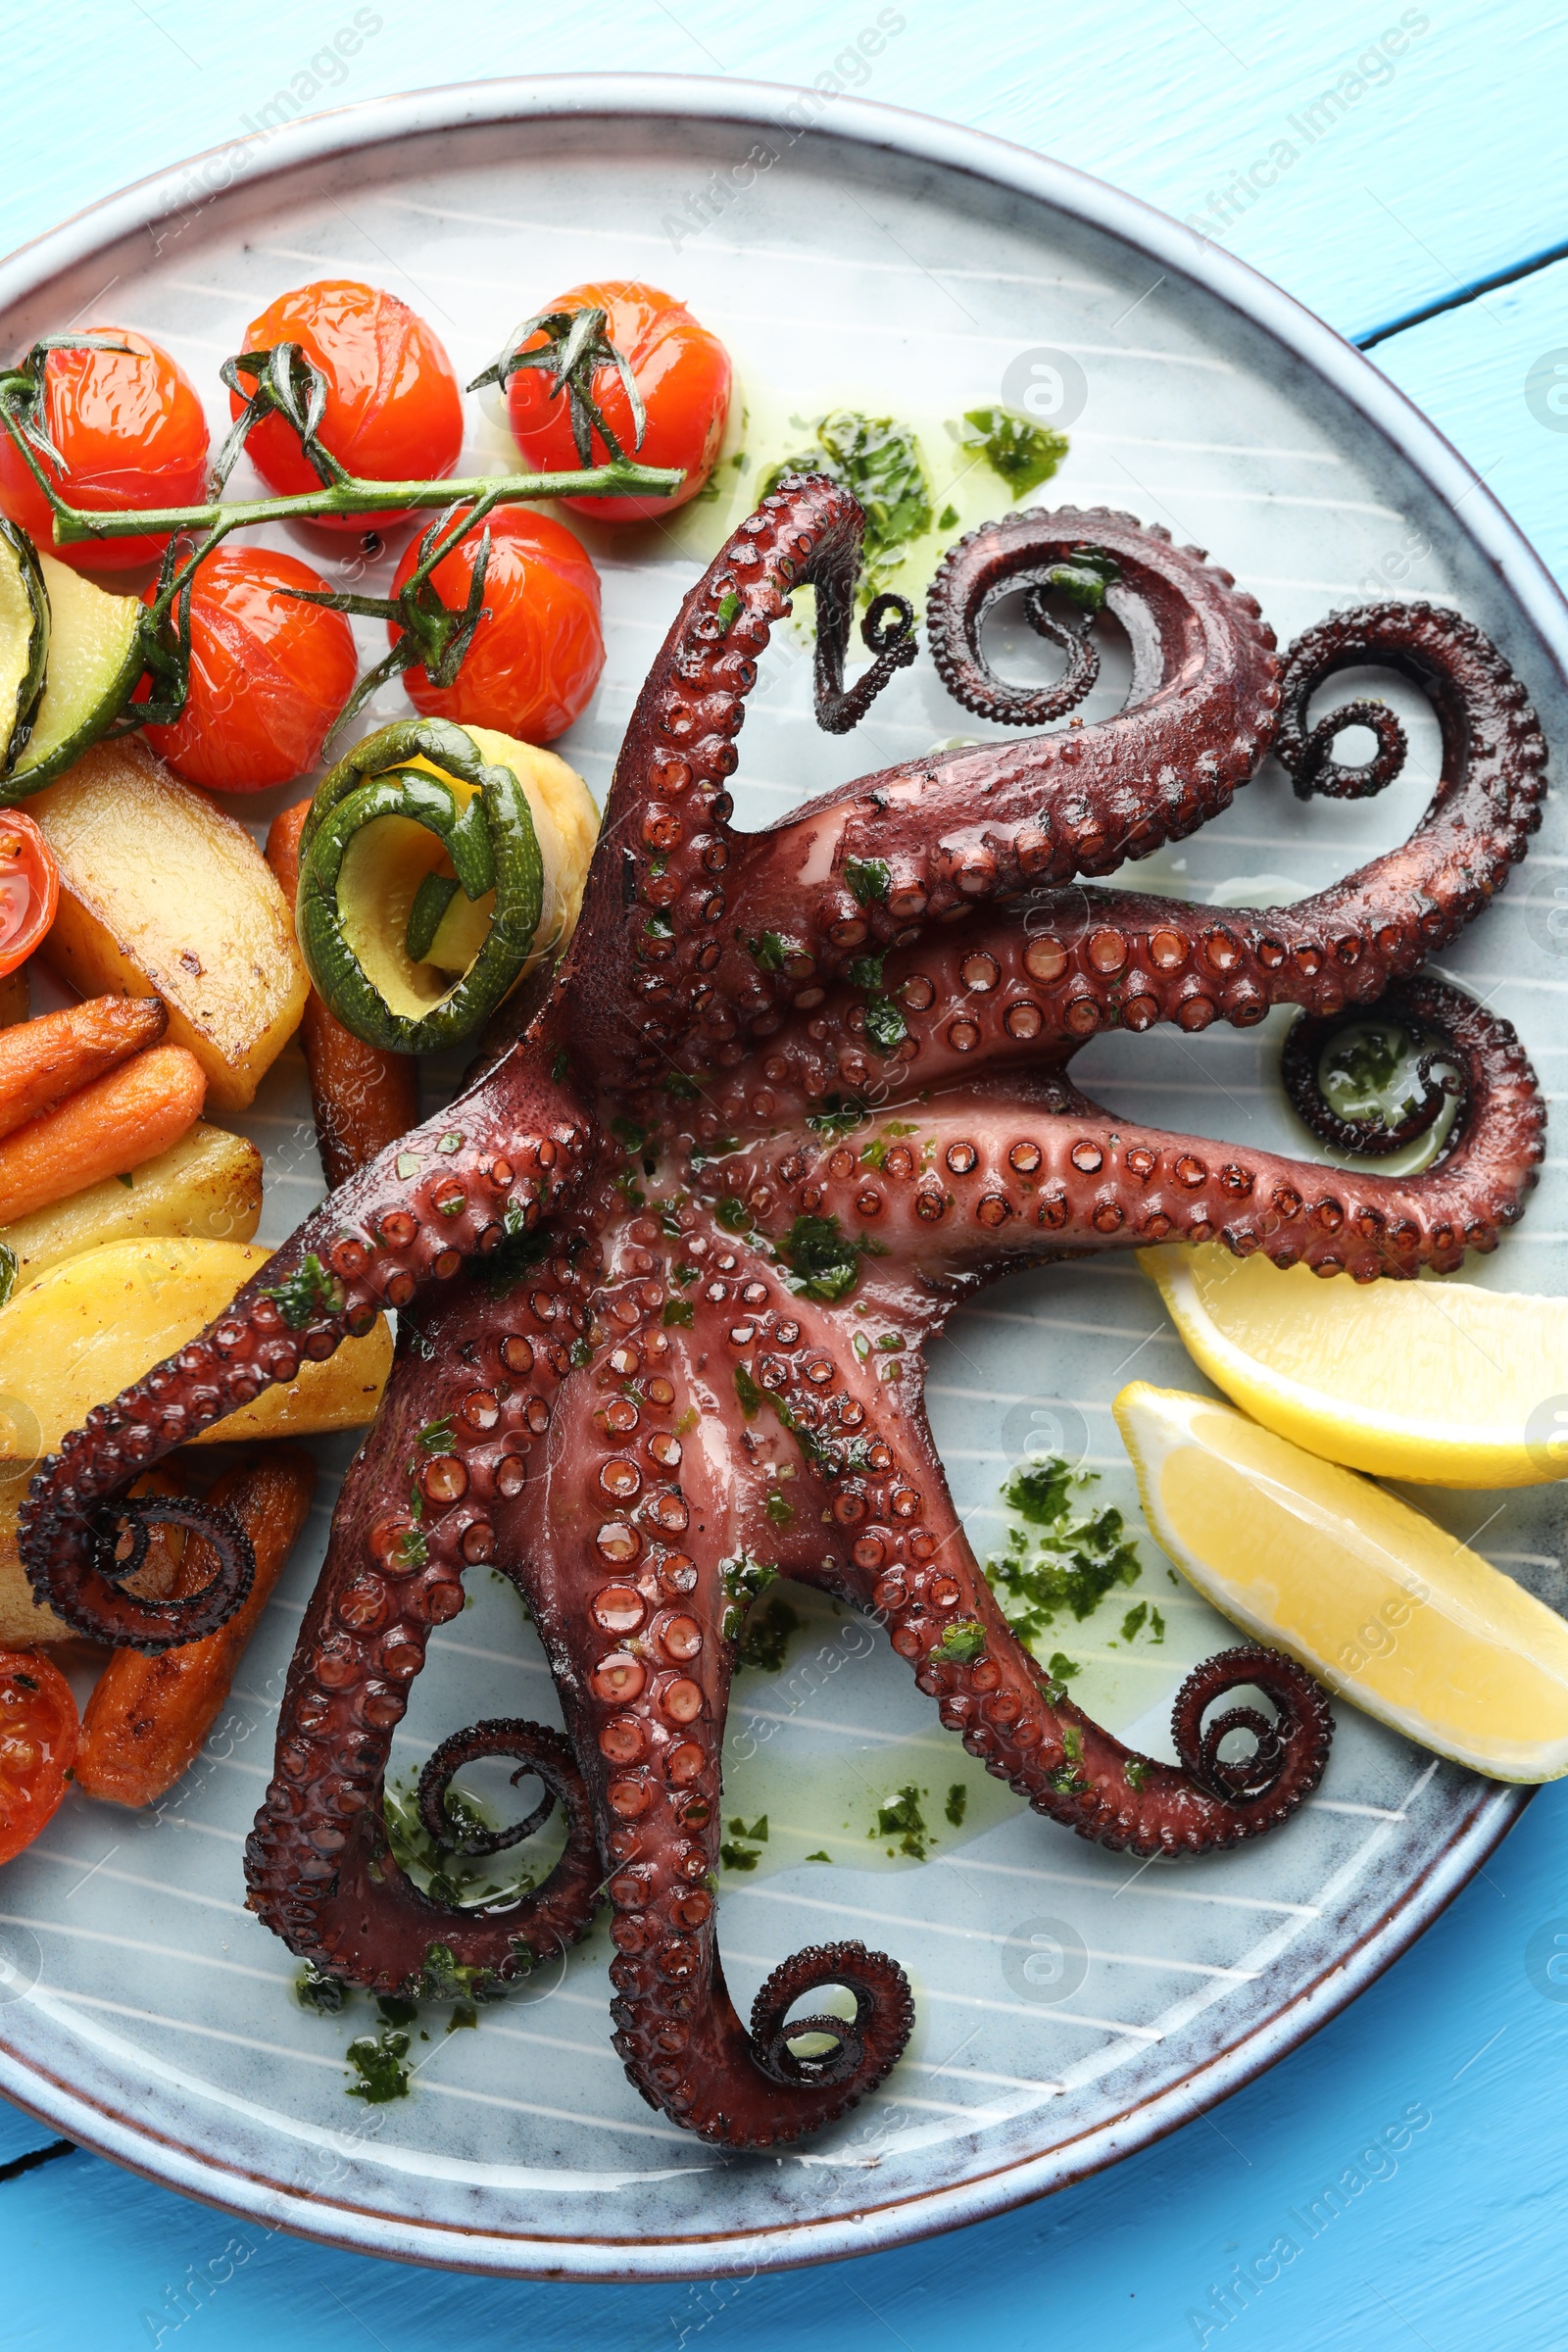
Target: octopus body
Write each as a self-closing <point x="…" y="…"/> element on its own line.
<point x="666" y="1270"/>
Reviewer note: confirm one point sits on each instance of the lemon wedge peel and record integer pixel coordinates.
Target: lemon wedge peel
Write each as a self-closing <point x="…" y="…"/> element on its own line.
<point x="1441" y="1383"/>
<point x="1384" y="1608"/>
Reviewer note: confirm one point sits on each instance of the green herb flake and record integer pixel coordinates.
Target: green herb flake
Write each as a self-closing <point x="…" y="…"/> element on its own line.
<point x="380" y="2062"/>
<point x="1062" y="1668"/>
<point x="1132" y="1625"/>
<point x="450" y="1143"/>
<point x="1157" y="1626"/>
<point x="310" y="1291"/>
<point x="1022" y="453"/>
<point x="838" y="1119"/>
<point x="317" y="1989"/>
<point x="819" y="1856"/>
<point x="680" y="1088"/>
<point x="1135" y="1772"/>
<point x="779" y="1512"/>
<point x="732" y="1213"/>
<point x="885" y="1024"/>
<point x="413" y="1549"/>
<point x="679" y="1314"/>
<point x="824" y="1261"/>
<point x="729" y="605"/>
<point x="737" y="1857"/>
<point x="878" y="460"/>
<point x="750" y="1394"/>
<point x="900" y="1817"/>
<point x="1067" y="1562"/>
<point x="765" y="1643"/>
<point x="770" y="952"/>
<point x="868" y="879"/>
<point x="961" y="1643"/>
<point x="408" y="1163"/>
<point x="129" y="1181"/>
<point x="957" y="1804"/>
<point x="947" y="520"/>
<point x="866" y="972"/>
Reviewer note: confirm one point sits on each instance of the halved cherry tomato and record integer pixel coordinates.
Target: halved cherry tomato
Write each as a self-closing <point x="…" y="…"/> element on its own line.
<point x="38" y="1731"/>
<point x="29" y="888"/>
<point x="269" y="674"/>
<point x="538" y="650"/>
<point x="394" y="412"/>
<point x="130" y="429"/>
<point x="680" y="370"/>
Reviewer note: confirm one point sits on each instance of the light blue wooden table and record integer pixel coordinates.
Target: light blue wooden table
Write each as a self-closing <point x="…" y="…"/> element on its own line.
<point x="1424" y="209"/>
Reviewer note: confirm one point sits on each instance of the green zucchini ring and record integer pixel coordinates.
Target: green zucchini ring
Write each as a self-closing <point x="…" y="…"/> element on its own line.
<point x="423" y="879"/>
<point x="23" y="641"/>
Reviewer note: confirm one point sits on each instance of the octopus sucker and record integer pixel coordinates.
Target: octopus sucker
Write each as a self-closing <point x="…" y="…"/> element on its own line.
<point x="788" y="1090"/>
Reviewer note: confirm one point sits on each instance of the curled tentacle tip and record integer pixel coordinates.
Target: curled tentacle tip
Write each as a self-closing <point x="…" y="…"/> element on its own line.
<point x="1289" y="1752"/>
<point x="864" y="2048"/>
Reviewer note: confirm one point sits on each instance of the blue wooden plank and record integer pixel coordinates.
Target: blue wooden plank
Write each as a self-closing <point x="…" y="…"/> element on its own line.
<point x="1371" y="160"/>
<point x="1494" y="377"/>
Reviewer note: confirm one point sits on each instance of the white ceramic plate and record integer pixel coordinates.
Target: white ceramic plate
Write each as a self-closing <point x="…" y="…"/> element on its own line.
<point x="884" y="259"/>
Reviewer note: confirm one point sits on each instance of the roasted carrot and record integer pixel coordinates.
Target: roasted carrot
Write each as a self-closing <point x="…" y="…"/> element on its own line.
<point x="147" y="1718"/>
<point x="104" y="1129"/>
<point x="364" y="1098"/>
<point x="42" y="1061"/>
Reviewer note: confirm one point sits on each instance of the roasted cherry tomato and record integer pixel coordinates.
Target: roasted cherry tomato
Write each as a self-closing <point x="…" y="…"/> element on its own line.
<point x="269" y="674"/>
<point x="393" y="412"/>
<point x="681" y="372"/>
<point x="29" y="888"/>
<point x="538" y="650"/>
<point x="37" y="1745"/>
<point x="130" y="429"/>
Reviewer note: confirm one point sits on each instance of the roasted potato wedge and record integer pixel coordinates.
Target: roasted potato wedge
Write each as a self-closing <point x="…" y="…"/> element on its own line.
<point x="93" y="1324"/>
<point x="207" y="1187"/>
<point x="162" y="895"/>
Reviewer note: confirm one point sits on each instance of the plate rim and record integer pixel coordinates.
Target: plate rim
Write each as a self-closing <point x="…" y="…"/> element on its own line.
<point x="1494" y="1809"/>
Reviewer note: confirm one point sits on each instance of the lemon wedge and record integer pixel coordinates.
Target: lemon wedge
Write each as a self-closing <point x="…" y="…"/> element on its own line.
<point x="1438" y="1382"/>
<point x="1379" y="1603"/>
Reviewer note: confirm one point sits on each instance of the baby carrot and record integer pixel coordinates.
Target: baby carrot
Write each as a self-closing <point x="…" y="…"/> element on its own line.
<point x="147" y="1718"/>
<point x="42" y="1061"/>
<point x="364" y="1098"/>
<point x="104" y="1129"/>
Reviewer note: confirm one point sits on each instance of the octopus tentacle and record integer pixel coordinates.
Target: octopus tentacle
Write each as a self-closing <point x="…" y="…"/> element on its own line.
<point x="497" y="1160"/>
<point x="663" y="876"/>
<point x="954" y="829"/>
<point x="983" y="1181"/>
<point x="642" y="1633"/>
<point x="903" y="1554"/>
<point x="318" y="1864"/>
<point x="1489" y="797"/>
